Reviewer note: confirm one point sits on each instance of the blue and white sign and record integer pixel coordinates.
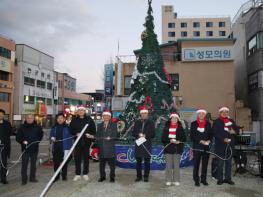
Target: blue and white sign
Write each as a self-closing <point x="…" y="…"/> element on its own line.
<point x="207" y="54"/>
<point x="108" y="84"/>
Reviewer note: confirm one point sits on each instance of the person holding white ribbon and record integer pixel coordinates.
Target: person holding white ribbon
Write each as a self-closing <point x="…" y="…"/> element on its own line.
<point x="61" y="144"/>
<point x="143" y="131"/>
<point x="224" y="130"/>
<point x="201" y="135"/>
<point x="173" y="139"/>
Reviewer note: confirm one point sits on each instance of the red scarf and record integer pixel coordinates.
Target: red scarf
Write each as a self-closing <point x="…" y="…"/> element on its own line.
<point x="172" y="130"/>
<point x="201" y="125"/>
<point x="227" y="123"/>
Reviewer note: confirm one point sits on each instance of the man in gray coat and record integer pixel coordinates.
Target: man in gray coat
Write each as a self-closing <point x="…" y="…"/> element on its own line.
<point x="106" y="135"/>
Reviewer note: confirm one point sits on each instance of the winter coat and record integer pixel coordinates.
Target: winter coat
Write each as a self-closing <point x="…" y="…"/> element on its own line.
<point x="66" y="144"/>
<point x="197" y="136"/>
<point x="76" y="126"/>
<point x="30" y="133"/>
<point x="106" y="147"/>
<point x="149" y="130"/>
<point x="180" y="136"/>
<point x="5" y="133"/>
<point x="220" y="134"/>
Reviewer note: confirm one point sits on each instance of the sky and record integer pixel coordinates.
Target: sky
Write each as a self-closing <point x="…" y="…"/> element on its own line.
<point x="83" y="35"/>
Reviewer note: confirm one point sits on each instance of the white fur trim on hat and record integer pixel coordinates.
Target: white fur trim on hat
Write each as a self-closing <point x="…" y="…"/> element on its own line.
<point x="81" y="108"/>
<point x="175" y="115"/>
<point x="223" y="109"/>
<point x="143" y="111"/>
<point x="106" y="113"/>
<point x="201" y="111"/>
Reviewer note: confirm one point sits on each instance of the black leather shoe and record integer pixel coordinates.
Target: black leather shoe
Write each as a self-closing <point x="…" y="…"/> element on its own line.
<point x="23" y="183"/>
<point x="101" y="179"/>
<point x="230" y="182"/>
<point x="112" y="180"/>
<point x="138" y="179"/>
<point x="64" y="178"/>
<point x="220" y="182"/>
<point x="197" y="184"/>
<point x="146" y="179"/>
<point x="4" y="182"/>
<point x="34" y="180"/>
<point x="204" y="183"/>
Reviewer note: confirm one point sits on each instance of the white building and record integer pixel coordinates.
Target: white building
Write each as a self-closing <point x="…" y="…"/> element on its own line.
<point x="34" y="83"/>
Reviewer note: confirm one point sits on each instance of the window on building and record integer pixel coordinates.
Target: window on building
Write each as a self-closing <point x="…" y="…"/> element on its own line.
<point x="184" y="34"/>
<point x="48" y="76"/>
<point x="260" y="40"/>
<point x="209" y="33"/>
<point x="49" y="86"/>
<point x="253" y="82"/>
<point x="171" y="25"/>
<point x="49" y="101"/>
<point x="36" y="72"/>
<point x="196" y="24"/>
<point x="183" y="25"/>
<point x="196" y="33"/>
<point x="4" y="76"/>
<point x="222" y="33"/>
<point x="29" y="99"/>
<point x="127" y="84"/>
<point x="29" y="81"/>
<point x="171" y="34"/>
<point x="41" y="84"/>
<point x="29" y="70"/>
<point x="252" y="45"/>
<point x="209" y="24"/>
<point x="4" y="97"/>
<point x="5" y="53"/>
<point x="175" y="81"/>
<point x="40" y="100"/>
<point x="222" y="24"/>
<point x="42" y="74"/>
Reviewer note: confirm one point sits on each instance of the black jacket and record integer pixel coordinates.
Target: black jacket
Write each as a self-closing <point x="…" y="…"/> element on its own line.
<point x="180" y="135"/>
<point x="5" y="133"/>
<point x="220" y="134"/>
<point x="76" y="126"/>
<point x="106" y="147"/>
<point x="197" y="136"/>
<point x="30" y="133"/>
<point x="149" y="130"/>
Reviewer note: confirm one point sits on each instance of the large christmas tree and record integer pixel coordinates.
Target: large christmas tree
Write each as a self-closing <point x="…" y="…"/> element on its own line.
<point x="150" y="84"/>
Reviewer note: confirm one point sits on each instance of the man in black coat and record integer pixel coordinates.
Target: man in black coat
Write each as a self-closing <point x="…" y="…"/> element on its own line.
<point x="106" y="136"/>
<point x="201" y="135"/>
<point x="29" y="136"/>
<point x="5" y="145"/>
<point x="143" y="129"/>
<point x="82" y="149"/>
<point x="224" y="130"/>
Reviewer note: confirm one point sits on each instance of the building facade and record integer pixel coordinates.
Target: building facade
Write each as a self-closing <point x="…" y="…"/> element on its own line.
<point x="174" y="28"/>
<point x="7" y="61"/>
<point x="248" y="32"/>
<point x="34" y="85"/>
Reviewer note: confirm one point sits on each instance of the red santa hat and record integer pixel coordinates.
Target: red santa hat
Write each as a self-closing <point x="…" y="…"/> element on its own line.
<point x="106" y="112"/>
<point x="201" y="111"/>
<point x="173" y="114"/>
<point x="223" y="109"/>
<point x="81" y="107"/>
<point x="143" y="109"/>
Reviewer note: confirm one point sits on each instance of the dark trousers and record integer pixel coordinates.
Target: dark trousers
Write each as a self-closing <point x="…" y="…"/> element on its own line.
<point x="146" y="167"/>
<point x="111" y="162"/>
<point x="198" y="157"/>
<point x="228" y="168"/>
<point x="80" y="154"/>
<point x="3" y="165"/>
<point x="58" y="157"/>
<point x="25" y="160"/>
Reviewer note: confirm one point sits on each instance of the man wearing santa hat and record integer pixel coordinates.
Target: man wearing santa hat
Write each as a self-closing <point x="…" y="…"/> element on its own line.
<point x="143" y="131"/>
<point x="106" y="135"/>
<point x="81" y="151"/>
<point x="224" y="130"/>
<point x="201" y="135"/>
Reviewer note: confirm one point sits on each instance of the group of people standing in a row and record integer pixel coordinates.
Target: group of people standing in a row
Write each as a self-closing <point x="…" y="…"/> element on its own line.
<point x="62" y="137"/>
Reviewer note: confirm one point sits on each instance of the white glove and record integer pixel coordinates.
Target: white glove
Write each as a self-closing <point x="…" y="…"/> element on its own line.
<point x="53" y="139"/>
<point x="25" y="142"/>
<point x="89" y="136"/>
<point x="140" y="141"/>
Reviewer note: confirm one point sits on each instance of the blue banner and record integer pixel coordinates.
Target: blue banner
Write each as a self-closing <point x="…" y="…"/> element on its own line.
<point x="125" y="157"/>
